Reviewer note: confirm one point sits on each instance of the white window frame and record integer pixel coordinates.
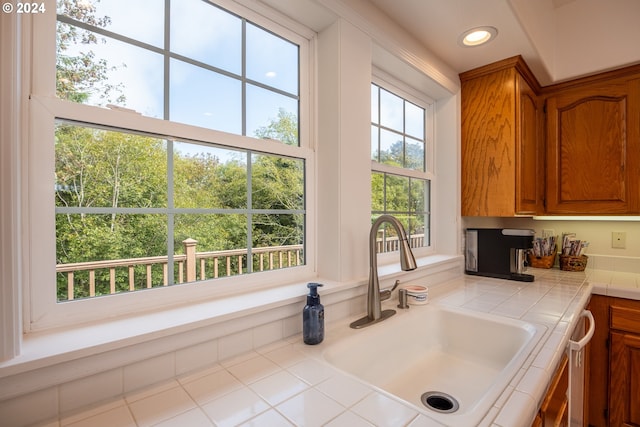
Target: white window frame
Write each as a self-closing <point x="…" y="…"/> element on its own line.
<point x="41" y="309"/>
<point x="403" y="90"/>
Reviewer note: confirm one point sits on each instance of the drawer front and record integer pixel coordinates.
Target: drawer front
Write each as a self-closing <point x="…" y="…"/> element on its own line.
<point x="625" y="319"/>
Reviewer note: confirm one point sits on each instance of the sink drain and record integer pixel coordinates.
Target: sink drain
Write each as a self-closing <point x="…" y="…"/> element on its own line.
<point x="440" y="402"/>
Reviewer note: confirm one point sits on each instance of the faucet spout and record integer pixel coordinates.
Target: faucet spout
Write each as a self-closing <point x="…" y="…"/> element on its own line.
<point x="375" y="313"/>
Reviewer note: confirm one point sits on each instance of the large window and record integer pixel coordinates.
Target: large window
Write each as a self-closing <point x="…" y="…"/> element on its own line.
<point x="400" y="150"/>
<point x="176" y="150"/>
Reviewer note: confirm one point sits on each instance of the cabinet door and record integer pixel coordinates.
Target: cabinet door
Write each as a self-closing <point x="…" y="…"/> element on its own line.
<point x="527" y="173"/>
<point x="488" y="144"/>
<point x="593" y="149"/>
<point x="554" y="408"/>
<point x="624" y="385"/>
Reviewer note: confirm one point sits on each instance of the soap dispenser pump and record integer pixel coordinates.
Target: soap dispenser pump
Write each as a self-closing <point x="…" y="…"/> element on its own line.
<point x="313" y="317"/>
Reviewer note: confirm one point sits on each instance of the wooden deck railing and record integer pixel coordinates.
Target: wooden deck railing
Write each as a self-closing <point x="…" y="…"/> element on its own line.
<point x="390" y="244"/>
<point x="188" y="267"/>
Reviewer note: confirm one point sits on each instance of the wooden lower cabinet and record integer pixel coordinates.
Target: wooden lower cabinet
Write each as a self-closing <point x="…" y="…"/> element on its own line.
<point x="614" y="398"/>
<point x="554" y="411"/>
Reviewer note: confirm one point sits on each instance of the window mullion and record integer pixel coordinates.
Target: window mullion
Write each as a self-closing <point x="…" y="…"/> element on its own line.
<point x="249" y="212"/>
<point x="170" y="214"/>
<point x="244" y="76"/>
<point x="167" y="58"/>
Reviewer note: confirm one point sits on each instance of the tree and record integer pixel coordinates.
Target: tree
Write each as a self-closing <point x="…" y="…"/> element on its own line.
<point x="78" y="77"/>
<point x="278" y="183"/>
<point x="283" y="128"/>
<point x="98" y="168"/>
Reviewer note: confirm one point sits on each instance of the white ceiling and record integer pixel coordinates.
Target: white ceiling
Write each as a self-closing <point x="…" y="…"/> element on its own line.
<point x="559" y="39"/>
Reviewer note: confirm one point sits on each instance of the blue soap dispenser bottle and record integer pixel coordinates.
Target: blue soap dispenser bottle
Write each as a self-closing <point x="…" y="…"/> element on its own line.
<point x="313" y="317"/>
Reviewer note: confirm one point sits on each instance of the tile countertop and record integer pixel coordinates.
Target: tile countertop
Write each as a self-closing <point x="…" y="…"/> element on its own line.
<point x="555" y="300"/>
<point x="286" y="384"/>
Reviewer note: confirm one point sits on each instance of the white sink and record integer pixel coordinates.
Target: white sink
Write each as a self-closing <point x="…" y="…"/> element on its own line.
<point x="467" y="355"/>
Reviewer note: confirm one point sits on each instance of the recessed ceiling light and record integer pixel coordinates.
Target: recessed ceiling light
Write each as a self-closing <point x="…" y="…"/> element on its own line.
<point x="477" y="36"/>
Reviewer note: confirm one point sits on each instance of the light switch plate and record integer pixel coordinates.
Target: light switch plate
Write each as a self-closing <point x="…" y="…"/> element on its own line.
<point x="618" y="239"/>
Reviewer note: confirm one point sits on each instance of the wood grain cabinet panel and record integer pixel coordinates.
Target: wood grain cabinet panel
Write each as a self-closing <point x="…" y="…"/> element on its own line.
<point x="555" y="406"/>
<point x="624" y="387"/>
<point x="500" y="144"/>
<point x="593" y="149"/>
<point x="614" y="397"/>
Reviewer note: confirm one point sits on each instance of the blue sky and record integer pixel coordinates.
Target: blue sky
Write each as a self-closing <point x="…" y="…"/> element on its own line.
<point x="206" y="34"/>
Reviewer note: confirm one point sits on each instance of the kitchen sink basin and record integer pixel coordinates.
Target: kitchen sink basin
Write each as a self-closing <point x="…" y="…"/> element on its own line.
<point x="452" y="364"/>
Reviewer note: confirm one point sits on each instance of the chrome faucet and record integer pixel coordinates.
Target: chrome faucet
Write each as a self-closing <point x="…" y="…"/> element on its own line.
<point x="375" y="313"/>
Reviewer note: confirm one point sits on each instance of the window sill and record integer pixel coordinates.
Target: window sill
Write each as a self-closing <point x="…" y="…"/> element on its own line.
<point x="57" y="347"/>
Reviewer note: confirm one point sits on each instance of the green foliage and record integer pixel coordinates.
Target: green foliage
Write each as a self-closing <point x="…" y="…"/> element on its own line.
<point x="404" y="155"/>
<point x="97" y="168"/>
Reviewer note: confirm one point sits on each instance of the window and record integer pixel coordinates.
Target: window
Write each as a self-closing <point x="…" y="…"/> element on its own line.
<point x="179" y="150"/>
<point x="400" y="179"/>
<point x="138" y="211"/>
<point x="200" y="64"/>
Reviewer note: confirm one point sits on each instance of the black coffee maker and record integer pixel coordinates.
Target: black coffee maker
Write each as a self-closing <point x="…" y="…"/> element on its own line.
<point x="498" y="252"/>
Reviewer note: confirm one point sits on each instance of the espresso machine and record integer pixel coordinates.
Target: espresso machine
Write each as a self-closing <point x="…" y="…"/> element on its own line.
<point x="498" y="252"/>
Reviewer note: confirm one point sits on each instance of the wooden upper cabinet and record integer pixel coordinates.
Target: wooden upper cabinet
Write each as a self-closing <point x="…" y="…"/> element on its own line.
<point x="593" y="148"/>
<point x="500" y="154"/>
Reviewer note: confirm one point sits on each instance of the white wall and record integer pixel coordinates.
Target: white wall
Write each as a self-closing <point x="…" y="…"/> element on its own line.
<point x="343" y="150"/>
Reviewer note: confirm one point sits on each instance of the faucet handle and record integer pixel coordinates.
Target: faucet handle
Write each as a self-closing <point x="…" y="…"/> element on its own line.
<point x="385" y="294"/>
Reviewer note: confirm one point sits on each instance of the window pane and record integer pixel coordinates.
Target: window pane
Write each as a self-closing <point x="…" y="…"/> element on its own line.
<point x="277" y="182"/>
<point x="375" y="116"/>
<point x="209" y="177"/>
<point x="100" y="168"/>
<point x="420" y="195"/>
<point x="220" y="244"/>
<point x="141" y="20"/>
<point x="414" y="156"/>
<point x="408" y="200"/>
<point x="391" y="148"/>
<point x="391" y="111"/>
<point x="377" y="192"/>
<point x="271" y="115"/>
<point x="207" y="34"/>
<point x="414" y="120"/>
<point x="109" y="72"/>
<point x="203" y="98"/>
<point x="416" y="231"/>
<point x="271" y="60"/>
<point x="277" y="230"/>
<point x="375" y="144"/>
<point x="84" y="239"/>
<point x="397" y="193"/>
